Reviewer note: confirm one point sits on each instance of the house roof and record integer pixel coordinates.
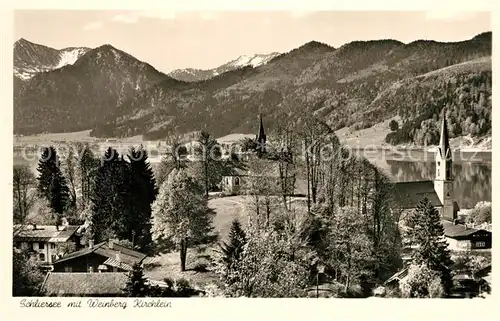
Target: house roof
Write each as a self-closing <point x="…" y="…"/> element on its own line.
<point x="127" y="256"/>
<point x="457" y="230"/>
<point x="118" y="264"/>
<point x="44" y="233"/>
<point x="84" y="284"/>
<point x="398" y="276"/>
<point x="409" y="194"/>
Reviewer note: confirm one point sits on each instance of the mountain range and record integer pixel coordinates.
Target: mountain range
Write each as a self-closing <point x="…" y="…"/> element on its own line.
<point x="358" y="84"/>
<point x="190" y="74"/>
<point x="31" y="58"/>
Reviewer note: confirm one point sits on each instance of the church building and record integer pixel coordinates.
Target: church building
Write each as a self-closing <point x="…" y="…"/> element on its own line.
<point x="268" y="174"/>
<point x="439" y="191"/>
<point x="440" y="194"/>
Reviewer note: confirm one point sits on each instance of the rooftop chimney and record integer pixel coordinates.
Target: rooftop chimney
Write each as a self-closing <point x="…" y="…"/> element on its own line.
<point x="111" y="242"/>
<point x="34" y="226"/>
<point x="91" y="244"/>
<point x="118" y="256"/>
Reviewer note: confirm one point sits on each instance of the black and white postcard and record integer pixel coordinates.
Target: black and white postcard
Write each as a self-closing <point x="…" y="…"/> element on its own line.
<point x="163" y="155"/>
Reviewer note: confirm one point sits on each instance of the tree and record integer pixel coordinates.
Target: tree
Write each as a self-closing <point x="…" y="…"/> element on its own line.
<point x="233" y="250"/>
<point x="261" y="189"/>
<point x="136" y="284"/>
<point x="23" y="183"/>
<point x="70" y="175"/>
<point x="210" y="155"/>
<point x="393" y="125"/>
<point x="469" y="263"/>
<point x="111" y="198"/>
<point x="51" y="182"/>
<point x="144" y="188"/>
<point x="248" y="144"/>
<point x="27" y="278"/>
<point x="271" y="266"/>
<point x="481" y="213"/>
<point x="350" y="248"/>
<point x="421" y="282"/>
<point x="181" y="215"/>
<point x="87" y="169"/>
<point x="426" y="234"/>
<point x="175" y="158"/>
<point x="314" y="134"/>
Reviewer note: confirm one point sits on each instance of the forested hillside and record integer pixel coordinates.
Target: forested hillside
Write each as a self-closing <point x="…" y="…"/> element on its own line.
<point x="358" y="85"/>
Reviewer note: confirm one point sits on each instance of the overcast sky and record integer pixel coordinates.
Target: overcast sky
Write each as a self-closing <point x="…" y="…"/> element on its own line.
<point x="169" y="40"/>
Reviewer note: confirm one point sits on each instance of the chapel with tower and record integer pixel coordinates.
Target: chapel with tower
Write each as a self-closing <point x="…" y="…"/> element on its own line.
<point x="443" y="183"/>
<point x="440" y="190"/>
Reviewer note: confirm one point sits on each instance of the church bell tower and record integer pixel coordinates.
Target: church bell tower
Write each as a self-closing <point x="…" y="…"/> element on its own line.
<point x="261" y="138"/>
<point x="443" y="183"/>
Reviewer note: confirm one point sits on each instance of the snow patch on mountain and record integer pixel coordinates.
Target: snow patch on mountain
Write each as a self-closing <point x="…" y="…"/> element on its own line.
<point x="70" y="56"/>
<point x="190" y="74"/>
<point x="253" y="60"/>
<point x="31" y="58"/>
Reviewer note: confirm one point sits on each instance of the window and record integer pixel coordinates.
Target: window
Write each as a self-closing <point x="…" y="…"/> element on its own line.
<point x="68" y="269"/>
<point x="34" y="245"/>
<point x="227" y="181"/>
<point x="52" y="245"/>
<point x="237" y="181"/>
<point x="480" y="244"/>
<point x="41" y="246"/>
<point x="41" y="256"/>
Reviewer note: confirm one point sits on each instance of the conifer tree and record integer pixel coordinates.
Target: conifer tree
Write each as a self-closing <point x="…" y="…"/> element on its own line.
<point x="136" y="285"/>
<point x="426" y="232"/>
<point x="144" y="189"/>
<point x="110" y="197"/>
<point x="87" y="168"/>
<point x="233" y="250"/>
<point x="51" y="182"/>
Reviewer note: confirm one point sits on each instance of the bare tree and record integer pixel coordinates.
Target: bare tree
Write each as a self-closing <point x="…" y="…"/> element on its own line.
<point x="24" y="185"/>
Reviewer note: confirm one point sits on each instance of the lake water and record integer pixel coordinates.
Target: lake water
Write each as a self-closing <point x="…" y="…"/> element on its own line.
<point x="471" y="171"/>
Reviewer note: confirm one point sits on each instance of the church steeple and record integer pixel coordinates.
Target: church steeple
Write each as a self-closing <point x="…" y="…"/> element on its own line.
<point x="443" y="183"/>
<point x="261" y="137"/>
<point x="444" y="142"/>
<point x="444" y="153"/>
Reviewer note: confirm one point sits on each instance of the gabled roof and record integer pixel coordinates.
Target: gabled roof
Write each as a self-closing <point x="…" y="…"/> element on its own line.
<point x="84" y="284"/>
<point x="127" y="256"/>
<point x="409" y="194"/>
<point x="44" y="233"/>
<point x="458" y="230"/>
<point x="397" y="276"/>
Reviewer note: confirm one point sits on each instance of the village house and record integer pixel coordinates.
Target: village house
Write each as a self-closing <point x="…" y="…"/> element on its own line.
<point x="102" y="257"/>
<point x="463" y="238"/>
<point x="46" y="242"/>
